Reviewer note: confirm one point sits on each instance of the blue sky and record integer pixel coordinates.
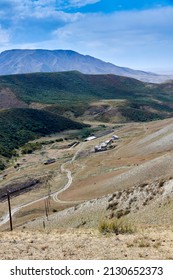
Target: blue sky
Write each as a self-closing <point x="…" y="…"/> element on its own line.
<point x="132" y="33"/>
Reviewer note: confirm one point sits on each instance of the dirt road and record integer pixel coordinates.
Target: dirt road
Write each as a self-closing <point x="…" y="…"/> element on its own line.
<point x="54" y="196"/>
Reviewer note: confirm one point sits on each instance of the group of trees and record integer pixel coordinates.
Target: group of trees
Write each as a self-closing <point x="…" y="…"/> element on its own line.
<point x="18" y="126"/>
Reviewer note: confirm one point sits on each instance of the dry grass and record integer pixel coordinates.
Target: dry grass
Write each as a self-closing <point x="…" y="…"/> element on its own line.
<point x="77" y="244"/>
<point x="117" y="226"/>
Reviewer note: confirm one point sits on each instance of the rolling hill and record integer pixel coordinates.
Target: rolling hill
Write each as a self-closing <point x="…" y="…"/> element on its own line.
<point x="73" y="91"/>
<point x="19" y="61"/>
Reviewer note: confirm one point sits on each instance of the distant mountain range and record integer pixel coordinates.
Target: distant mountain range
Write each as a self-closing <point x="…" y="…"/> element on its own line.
<point x="31" y="61"/>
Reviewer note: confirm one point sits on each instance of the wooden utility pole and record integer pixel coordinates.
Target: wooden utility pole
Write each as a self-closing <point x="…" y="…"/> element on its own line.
<point x="9" y="207"/>
<point x="46" y="204"/>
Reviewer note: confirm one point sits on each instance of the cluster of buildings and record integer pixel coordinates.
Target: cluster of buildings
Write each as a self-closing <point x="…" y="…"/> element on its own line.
<point x="104" y="145"/>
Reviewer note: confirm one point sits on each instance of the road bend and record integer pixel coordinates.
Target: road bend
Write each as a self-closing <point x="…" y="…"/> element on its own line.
<point x="5" y="218"/>
<point x="69" y="174"/>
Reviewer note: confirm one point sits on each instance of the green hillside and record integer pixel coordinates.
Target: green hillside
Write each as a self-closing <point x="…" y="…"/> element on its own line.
<point x="73" y="90"/>
<point x="18" y="126"/>
<point x="71" y="86"/>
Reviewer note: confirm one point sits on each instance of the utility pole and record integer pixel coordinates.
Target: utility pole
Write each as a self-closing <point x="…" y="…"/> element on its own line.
<point x="9" y="207"/>
<point x="46" y="204"/>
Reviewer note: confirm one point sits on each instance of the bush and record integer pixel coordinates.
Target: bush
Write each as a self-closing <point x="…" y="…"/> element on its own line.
<point x="31" y="147"/>
<point x="2" y="165"/>
<point x="116" y="226"/>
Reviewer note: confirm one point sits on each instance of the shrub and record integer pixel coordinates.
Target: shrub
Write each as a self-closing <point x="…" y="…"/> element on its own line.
<point x="30" y="147"/>
<point x="143" y="243"/>
<point x="161" y="183"/>
<point x="116" y="226"/>
<point x="119" y="213"/>
<point x="2" y="165"/>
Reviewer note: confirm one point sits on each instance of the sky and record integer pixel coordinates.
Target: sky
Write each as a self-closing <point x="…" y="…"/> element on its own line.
<point x="131" y="33"/>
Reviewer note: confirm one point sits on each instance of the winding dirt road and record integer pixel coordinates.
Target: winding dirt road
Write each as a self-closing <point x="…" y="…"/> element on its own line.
<point x="5" y="218"/>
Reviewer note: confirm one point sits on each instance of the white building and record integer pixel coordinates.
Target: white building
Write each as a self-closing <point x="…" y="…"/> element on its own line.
<point x="115" y="137"/>
<point x="90" y="138"/>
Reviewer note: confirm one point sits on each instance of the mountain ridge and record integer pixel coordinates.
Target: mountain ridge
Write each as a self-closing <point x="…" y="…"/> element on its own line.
<point x="21" y="61"/>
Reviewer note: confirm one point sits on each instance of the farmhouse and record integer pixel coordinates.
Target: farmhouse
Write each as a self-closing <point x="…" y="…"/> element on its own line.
<point x="105" y="145"/>
<point x="101" y="147"/>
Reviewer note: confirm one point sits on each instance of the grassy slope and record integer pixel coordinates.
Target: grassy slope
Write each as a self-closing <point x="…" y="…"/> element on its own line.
<point x="18" y="126"/>
<point x="73" y="90"/>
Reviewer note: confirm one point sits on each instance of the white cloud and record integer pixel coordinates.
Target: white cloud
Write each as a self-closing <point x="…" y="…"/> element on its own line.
<point x="61" y="4"/>
<point x="31" y="22"/>
<point x="125" y="38"/>
<point x="81" y="3"/>
<point x="21" y="10"/>
<point x="41" y="13"/>
<point x="40" y="8"/>
<point x="4" y="36"/>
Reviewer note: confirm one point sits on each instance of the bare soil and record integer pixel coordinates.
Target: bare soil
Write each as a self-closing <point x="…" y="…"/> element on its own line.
<point x="9" y="100"/>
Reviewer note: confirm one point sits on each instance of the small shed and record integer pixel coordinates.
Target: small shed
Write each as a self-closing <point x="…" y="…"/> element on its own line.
<point x="90" y="138"/>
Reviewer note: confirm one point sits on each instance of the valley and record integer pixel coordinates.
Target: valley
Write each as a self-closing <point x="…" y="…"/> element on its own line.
<point x="134" y="177"/>
<point x="141" y="156"/>
<point x="59" y="183"/>
<point x="86" y="138"/>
